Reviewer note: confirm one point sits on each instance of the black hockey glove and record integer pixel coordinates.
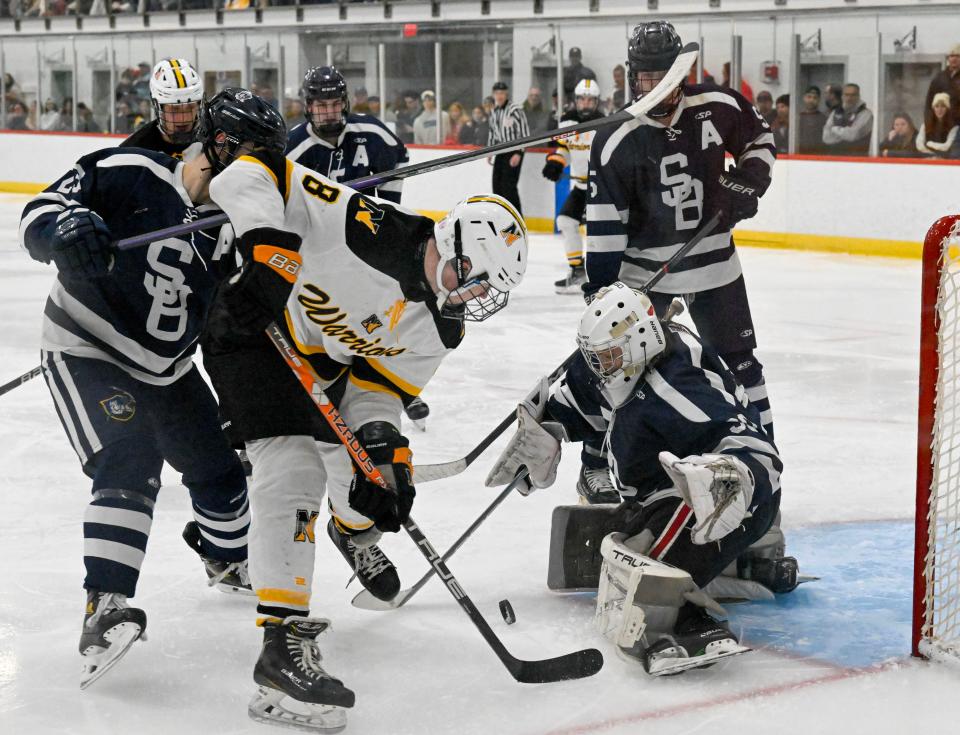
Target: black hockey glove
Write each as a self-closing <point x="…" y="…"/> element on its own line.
<point x="81" y="246"/>
<point x="553" y="168"/>
<point x="590" y="291"/>
<point x="390" y="451"/>
<point x="255" y="295"/>
<point x="739" y="197"/>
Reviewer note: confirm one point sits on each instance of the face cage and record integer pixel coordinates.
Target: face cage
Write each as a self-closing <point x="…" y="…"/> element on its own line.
<point x="593" y="107"/>
<point x="215" y="151"/>
<point x="326" y="125"/>
<point x="641" y="86"/>
<point x="605" y="365"/>
<point x="177" y="137"/>
<point x="472" y="309"/>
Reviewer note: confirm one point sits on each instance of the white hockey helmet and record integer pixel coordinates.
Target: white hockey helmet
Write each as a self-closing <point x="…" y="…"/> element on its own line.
<point x="485" y="240"/>
<point x="176" y="82"/>
<point x="589" y="91"/>
<point x="619" y="333"/>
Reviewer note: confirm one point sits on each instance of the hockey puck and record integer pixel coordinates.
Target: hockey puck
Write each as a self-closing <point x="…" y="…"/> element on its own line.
<point x="506" y="609"/>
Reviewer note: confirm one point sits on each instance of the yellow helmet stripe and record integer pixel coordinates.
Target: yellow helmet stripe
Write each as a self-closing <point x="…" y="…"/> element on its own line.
<point x="175" y="65"/>
<point x="506" y="205"/>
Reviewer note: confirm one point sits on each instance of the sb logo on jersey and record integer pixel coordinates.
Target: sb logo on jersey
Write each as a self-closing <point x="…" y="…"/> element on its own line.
<point x="370" y="215"/>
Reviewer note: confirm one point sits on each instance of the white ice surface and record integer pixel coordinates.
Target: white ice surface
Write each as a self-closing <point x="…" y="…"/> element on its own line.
<point x="838" y="336"/>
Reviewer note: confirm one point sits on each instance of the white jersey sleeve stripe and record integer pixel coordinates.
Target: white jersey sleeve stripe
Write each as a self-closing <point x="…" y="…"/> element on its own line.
<point x="764" y="155"/>
<point x="676" y="400"/>
<point x="603" y="211"/>
<point x="606" y="243"/>
<point x="705" y="97"/>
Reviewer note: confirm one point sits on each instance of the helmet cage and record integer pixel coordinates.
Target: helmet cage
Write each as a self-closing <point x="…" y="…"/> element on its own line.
<point x="320" y="84"/>
<point x="167" y="119"/>
<point x="474" y="299"/>
<point x="613" y="358"/>
<point x="643" y="82"/>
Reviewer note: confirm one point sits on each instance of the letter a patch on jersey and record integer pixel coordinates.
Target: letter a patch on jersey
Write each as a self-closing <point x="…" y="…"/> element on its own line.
<point x="306" y="520"/>
<point x="370" y="215"/>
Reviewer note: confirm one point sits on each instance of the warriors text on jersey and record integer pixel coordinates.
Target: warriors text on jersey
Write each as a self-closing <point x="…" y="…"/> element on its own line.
<point x="365" y="146"/>
<point x="687" y="403"/>
<point x="360" y="297"/>
<point x="576" y="148"/>
<point x="145" y="316"/>
<point x="652" y="184"/>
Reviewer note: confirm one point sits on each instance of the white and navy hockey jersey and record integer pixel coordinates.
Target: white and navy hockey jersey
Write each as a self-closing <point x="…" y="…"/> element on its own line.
<point x="360" y="298"/>
<point x="652" y="184"/>
<point x="365" y="146"/>
<point x="575" y="148"/>
<point x="146" y="315"/>
<point x="687" y="403"/>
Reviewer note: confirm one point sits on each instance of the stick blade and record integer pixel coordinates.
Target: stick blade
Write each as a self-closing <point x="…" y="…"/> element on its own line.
<point x="432" y="472"/>
<point x="576" y="665"/>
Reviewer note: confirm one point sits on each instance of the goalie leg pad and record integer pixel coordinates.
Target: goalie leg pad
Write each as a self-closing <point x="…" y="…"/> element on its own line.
<point x="575" y="537"/>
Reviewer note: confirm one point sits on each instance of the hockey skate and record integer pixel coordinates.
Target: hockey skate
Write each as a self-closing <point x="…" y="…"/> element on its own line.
<point x="110" y="627"/>
<point x="697" y="641"/>
<point x="417" y="411"/>
<point x="594" y="486"/>
<point x="374" y="570"/>
<point x="293" y="688"/>
<point x="572" y="282"/>
<point x="231" y="577"/>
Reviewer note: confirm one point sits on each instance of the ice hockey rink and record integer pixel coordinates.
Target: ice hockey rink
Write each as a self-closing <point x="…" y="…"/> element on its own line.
<point x="838" y="336"/>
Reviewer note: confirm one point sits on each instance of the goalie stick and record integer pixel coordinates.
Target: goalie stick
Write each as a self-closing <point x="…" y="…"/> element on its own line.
<point x="366" y="601"/>
<point x="439" y="471"/>
<point x="576" y="665"/>
<point x="674" y="77"/>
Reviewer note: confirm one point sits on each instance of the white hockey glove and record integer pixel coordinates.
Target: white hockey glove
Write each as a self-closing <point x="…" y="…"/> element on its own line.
<point x="535" y="445"/>
<point x="718" y="487"/>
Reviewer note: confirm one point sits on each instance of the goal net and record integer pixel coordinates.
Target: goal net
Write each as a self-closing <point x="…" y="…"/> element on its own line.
<point x="936" y="615"/>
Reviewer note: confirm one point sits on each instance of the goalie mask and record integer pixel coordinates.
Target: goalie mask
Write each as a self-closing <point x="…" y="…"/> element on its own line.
<point x="234" y="117"/>
<point x="176" y="93"/>
<point x="620" y="334"/>
<point x="484" y="239"/>
<point x="653" y="48"/>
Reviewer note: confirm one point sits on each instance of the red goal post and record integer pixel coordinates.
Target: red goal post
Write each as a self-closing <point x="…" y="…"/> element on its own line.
<point x="936" y="589"/>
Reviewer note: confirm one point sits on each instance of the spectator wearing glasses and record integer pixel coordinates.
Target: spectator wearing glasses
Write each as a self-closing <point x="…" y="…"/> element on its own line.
<point x="848" y="130"/>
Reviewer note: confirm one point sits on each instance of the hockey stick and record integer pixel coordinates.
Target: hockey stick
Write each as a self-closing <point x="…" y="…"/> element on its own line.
<point x="29" y="375"/>
<point x="439" y="471"/>
<point x="366" y="601"/>
<point x="576" y="665"/>
<point x="673" y="78"/>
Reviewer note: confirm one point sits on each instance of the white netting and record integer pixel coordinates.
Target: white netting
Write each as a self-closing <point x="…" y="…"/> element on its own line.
<point x="940" y="629"/>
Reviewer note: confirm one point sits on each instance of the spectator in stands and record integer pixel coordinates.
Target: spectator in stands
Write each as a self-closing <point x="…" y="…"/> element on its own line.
<point x="939" y="131"/>
<point x="948" y="81"/>
<point x="66" y="114"/>
<point x="141" y="84"/>
<point x="143" y="114"/>
<point x="85" y="120"/>
<point x="457" y="118"/>
<point x="476" y="130"/>
<point x="17" y="116"/>
<point x="50" y="117"/>
<point x="406" y="114"/>
<point x="833" y="98"/>
<point x="848" y="130"/>
<point x="901" y="141"/>
<point x="573" y="73"/>
<point x="11" y="89"/>
<point x="266" y="93"/>
<point x="810" y="123"/>
<point x="361" y="101"/>
<point x="765" y="106"/>
<point x="425" y="126"/>
<point x="781" y="124"/>
<point x="293" y="111"/>
<point x="538" y="116"/>
<point x="123" y="122"/>
<point x="745" y="89"/>
<point x="618" y="98"/>
<point x="373" y="105"/>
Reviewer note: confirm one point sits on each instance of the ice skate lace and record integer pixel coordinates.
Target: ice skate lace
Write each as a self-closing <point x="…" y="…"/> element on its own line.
<point x="240" y="568"/>
<point x="306" y="654"/>
<point x="598" y="480"/>
<point x="370" y="560"/>
<point x="109" y="602"/>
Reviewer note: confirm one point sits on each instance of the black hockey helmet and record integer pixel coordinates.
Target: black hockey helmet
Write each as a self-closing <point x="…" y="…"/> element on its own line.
<point x="325" y="83"/>
<point x="236" y="116"/>
<point x="652" y="49"/>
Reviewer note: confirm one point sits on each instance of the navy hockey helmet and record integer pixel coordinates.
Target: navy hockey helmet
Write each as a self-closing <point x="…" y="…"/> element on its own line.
<point x="652" y="49"/>
<point x="236" y="116"/>
<point x="320" y="84"/>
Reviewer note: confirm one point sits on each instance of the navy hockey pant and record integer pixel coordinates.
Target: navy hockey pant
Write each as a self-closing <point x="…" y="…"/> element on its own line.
<point x="122" y="430"/>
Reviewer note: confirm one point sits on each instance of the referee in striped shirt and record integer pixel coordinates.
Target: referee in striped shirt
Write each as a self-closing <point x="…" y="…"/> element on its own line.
<point x="507" y="122"/>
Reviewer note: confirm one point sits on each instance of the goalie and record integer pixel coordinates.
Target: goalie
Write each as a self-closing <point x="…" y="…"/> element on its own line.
<point x="700" y="476"/>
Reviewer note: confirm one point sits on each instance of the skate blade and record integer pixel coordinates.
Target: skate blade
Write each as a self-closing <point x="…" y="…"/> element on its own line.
<point x="569" y="290"/>
<point x="273" y="707"/>
<point x="120" y="637"/>
<point x="232" y="589"/>
<point x="420" y="424"/>
<point x="366" y="600"/>
<point x="673" y="666"/>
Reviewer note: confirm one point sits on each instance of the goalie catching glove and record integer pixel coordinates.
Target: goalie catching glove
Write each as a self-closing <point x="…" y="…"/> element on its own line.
<point x="390" y="451"/>
<point x="535" y="445"/>
<point x="718" y="487"/>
